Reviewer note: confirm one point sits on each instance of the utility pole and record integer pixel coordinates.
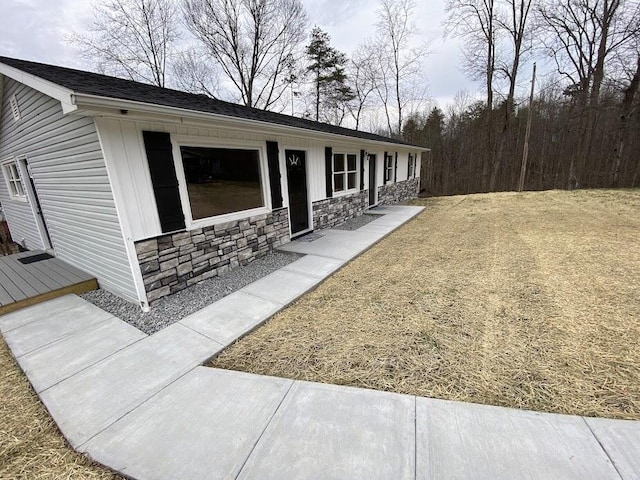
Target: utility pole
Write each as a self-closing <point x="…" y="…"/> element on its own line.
<point x="525" y="153"/>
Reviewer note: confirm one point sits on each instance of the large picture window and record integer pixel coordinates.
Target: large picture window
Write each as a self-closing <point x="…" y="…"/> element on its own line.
<point x="14" y="181"/>
<point x="222" y="180"/>
<point x="345" y="172"/>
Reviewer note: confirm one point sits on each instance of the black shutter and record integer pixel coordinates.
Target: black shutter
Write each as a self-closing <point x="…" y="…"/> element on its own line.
<point x="408" y="163"/>
<point x="274" y="174"/>
<point x="361" y="169"/>
<point x="328" y="170"/>
<point x="395" y="169"/>
<point x="384" y="169"/>
<point x="164" y="180"/>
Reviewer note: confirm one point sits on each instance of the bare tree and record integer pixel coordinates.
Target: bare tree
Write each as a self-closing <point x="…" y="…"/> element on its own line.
<point x="582" y="119"/>
<point x="400" y="64"/>
<point x="581" y="36"/>
<point x="475" y="22"/>
<point x="384" y="87"/>
<point x="193" y="73"/>
<point x="628" y="108"/>
<point x="252" y="41"/>
<point x="131" y="38"/>
<point x="364" y="77"/>
<point x="513" y="23"/>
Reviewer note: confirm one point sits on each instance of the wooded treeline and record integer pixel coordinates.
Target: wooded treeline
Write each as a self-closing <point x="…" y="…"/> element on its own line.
<point x="585" y="118"/>
<point x="457" y="139"/>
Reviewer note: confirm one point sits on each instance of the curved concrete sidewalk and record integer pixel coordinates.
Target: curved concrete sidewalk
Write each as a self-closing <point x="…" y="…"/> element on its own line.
<point x="145" y="407"/>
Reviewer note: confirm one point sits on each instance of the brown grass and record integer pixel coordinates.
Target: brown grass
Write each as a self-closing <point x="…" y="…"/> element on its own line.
<point x="31" y="446"/>
<point x="523" y="300"/>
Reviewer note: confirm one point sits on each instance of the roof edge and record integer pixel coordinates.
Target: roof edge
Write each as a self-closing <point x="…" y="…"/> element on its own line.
<point x="60" y="93"/>
<point x="96" y="101"/>
<point x="69" y="90"/>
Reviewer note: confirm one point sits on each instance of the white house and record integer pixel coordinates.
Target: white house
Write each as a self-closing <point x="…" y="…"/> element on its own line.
<point x="152" y="190"/>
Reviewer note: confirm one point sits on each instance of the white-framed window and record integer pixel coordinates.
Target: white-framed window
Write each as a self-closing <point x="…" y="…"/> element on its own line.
<point x="345" y="172"/>
<point x="388" y="168"/>
<point x="12" y="177"/>
<point x="220" y="182"/>
<point x="411" y="172"/>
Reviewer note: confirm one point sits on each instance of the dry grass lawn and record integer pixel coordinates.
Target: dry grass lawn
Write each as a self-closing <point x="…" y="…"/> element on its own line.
<point x="31" y="446"/>
<point x="523" y="300"/>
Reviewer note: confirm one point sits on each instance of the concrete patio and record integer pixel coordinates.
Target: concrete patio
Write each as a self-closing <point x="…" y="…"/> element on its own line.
<point x="145" y="407"/>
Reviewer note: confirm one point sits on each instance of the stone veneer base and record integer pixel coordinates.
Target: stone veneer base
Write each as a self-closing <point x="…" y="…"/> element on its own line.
<point x="173" y="262"/>
<point x="330" y="212"/>
<point x="399" y="191"/>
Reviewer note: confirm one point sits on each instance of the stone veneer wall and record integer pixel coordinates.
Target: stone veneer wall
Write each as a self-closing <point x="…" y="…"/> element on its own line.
<point x="399" y="191"/>
<point x="173" y="262"/>
<point x="330" y="212"/>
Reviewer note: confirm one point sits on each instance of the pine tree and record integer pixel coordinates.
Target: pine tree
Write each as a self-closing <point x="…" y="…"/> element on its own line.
<point x="331" y="90"/>
<point x="434" y="128"/>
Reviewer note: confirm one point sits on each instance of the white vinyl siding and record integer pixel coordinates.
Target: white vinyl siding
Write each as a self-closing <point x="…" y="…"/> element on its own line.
<point x="123" y="144"/>
<point x="18" y="213"/>
<point x="73" y="187"/>
<point x="127" y="162"/>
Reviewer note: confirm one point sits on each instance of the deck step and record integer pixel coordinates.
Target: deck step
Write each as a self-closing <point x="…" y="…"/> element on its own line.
<point x="28" y="278"/>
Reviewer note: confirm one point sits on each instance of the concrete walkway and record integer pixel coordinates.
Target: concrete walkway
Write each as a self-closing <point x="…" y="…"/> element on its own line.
<point x="145" y="407"/>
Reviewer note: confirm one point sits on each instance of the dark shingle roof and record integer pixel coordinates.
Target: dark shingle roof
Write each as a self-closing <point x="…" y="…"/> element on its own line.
<point x="101" y="85"/>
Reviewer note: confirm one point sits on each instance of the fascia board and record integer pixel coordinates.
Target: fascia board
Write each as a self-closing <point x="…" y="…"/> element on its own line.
<point x="96" y="103"/>
<point x="1" y="89"/>
<point x="53" y="90"/>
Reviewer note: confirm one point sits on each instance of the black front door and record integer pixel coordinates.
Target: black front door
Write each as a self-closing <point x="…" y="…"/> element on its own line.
<point x="297" y="180"/>
<point x="372" y="179"/>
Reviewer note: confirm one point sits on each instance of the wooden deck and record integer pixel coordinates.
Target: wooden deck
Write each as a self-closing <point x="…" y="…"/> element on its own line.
<point x="22" y="285"/>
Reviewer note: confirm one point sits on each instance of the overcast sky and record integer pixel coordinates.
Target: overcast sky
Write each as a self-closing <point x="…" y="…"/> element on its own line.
<point x="35" y="30"/>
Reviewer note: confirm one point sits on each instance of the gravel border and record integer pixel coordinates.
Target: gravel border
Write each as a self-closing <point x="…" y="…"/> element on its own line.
<point x="357" y="222"/>
<point x="175" y="307"/>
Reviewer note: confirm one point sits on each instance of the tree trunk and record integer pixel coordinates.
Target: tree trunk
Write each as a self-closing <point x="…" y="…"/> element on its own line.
<point x="608" y="11"/>
<point x="623" y="128"/>
<point x="497" y="161"/>
<point x="317" y="96"/>
<point x="491" y="64"/>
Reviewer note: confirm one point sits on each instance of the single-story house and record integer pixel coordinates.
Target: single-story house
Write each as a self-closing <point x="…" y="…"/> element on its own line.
<point x="152" y="190"/>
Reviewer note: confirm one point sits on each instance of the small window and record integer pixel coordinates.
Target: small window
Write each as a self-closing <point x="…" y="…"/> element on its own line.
<point x="14" y="181"/>
<point x="345" y="172"/>
<point x="222" y="180"/>
<point x="388" y="168"/>
<point x="413" y="161"/>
